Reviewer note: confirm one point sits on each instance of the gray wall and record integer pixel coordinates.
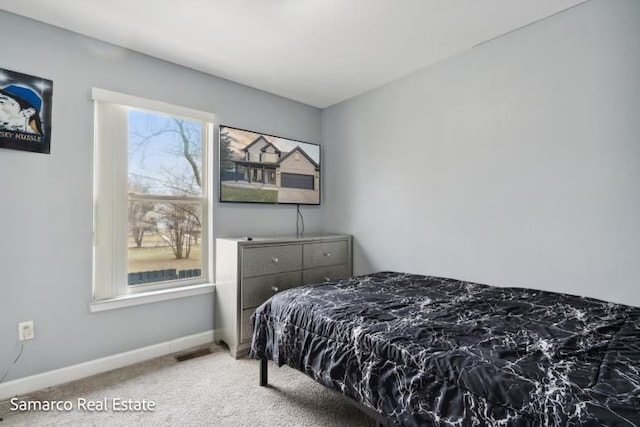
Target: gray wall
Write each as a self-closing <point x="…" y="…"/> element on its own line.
<point x="46" y="214"/>
<point x="514" y="163"/>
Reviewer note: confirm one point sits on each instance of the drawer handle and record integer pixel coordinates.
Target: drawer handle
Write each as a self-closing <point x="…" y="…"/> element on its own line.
<point x="275" y="260"/>
<point x="275" y="289"/>
<point x="327" y="254"/>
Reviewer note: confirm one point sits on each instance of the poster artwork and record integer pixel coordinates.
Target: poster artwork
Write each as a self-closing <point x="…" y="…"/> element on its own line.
<point x="25" y="112"/>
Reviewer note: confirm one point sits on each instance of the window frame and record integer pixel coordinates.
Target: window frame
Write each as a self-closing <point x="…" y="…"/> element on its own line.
<point x="111" y="200"/>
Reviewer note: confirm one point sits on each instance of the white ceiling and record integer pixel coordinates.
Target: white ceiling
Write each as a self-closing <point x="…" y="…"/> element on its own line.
<point x="318" y="52"/>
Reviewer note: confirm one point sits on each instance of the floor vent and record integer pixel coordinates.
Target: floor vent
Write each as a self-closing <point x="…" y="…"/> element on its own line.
<point x="193" y="354"/>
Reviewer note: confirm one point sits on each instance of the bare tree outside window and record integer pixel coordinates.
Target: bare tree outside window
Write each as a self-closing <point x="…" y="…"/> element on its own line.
<point x="165" y="196"/>
<point x="140" y="222"/>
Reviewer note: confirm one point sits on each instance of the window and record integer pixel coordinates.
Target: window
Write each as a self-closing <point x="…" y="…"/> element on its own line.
<point x="152" y="196"/>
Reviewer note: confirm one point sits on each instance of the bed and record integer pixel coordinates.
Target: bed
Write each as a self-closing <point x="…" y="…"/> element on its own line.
<point x="420" y="350"/>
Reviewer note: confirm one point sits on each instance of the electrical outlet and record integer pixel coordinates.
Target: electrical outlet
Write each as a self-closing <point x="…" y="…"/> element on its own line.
<point x="25" y="330"/>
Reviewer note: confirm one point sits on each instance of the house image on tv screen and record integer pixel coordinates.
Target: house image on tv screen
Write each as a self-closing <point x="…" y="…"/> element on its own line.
<point x="267" y="169"/>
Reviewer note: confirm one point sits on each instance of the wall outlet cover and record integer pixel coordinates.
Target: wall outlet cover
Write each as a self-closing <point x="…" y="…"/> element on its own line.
<point x="25" y="330"/>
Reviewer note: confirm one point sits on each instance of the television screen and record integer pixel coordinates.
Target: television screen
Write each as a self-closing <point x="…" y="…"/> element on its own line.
<point x="260" y="168"/>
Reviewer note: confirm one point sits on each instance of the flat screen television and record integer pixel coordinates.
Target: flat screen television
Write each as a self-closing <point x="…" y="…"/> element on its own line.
<point x="261" y="168"/>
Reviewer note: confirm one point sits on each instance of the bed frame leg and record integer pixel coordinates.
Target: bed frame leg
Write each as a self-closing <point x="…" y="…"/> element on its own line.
<point x="263" y="372"/>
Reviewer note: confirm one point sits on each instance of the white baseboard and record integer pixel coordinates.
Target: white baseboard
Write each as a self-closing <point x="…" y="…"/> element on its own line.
<point x="97" y="366"/>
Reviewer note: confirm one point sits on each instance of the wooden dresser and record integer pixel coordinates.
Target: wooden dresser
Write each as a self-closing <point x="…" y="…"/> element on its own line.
<point x="248" y="272"/>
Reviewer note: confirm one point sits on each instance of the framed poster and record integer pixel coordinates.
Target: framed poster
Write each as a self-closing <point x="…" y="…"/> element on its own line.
<point x="25" y="112"/>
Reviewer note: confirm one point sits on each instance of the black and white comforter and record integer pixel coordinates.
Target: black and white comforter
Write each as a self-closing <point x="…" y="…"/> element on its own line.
<point x="425" y="350"/>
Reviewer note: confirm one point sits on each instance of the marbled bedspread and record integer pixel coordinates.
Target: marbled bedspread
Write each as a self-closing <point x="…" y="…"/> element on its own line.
<point x="425" y="350"/>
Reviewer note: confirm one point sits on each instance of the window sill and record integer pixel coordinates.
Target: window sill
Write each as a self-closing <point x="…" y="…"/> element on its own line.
<point x="151" y="297"/>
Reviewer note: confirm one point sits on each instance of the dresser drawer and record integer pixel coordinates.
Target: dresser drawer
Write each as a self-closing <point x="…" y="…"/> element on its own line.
<point x="320" y="254"/>
<point x="271" y="260"/>
<point x="325" y="274"/>
<point x="256" y="290"/>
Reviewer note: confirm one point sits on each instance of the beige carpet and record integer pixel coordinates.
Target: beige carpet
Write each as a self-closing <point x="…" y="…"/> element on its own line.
<point x="211" y="390"/>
